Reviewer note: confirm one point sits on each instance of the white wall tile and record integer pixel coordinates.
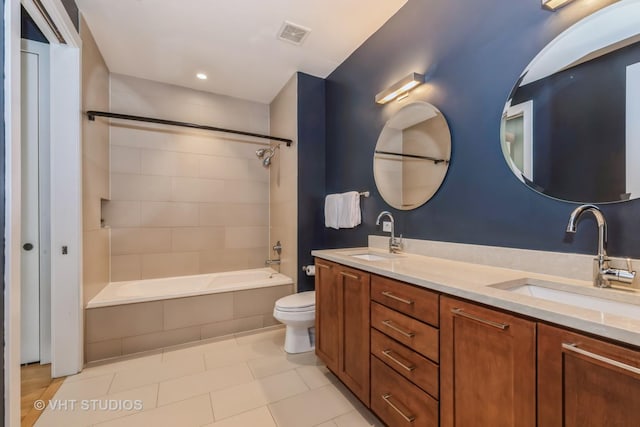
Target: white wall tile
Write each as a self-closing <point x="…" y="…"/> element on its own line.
<point x="125" y="160"/>
<point x="198" y="186"/>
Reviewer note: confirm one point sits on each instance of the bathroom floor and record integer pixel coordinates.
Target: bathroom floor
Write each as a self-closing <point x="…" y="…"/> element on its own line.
<point x="242" y="380"/>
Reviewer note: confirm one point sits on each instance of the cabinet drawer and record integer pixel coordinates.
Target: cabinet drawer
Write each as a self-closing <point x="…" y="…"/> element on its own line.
<point x="408" y="331"/>
<point x="410" y="300"/>
<point x="421" y="371"/>
<point x="398" y="402"/>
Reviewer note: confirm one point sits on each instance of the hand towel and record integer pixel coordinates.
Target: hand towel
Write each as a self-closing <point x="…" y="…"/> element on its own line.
<point x="349" y="215"/>
<point x="331" y="206"/>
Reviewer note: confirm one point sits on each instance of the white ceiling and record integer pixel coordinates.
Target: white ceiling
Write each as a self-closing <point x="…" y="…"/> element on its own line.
<point x="233" y="41"/>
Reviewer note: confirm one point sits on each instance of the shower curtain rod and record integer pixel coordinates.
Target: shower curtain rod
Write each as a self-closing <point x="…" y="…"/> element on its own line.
<point x="93" y="114"/>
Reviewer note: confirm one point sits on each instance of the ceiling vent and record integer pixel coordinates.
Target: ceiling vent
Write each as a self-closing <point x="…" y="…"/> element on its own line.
<point x="293" y="33"/>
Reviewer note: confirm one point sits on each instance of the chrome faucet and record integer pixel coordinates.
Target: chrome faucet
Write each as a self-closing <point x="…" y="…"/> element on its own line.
<point x="395" y="245"/>
<point x="602" y="272"/>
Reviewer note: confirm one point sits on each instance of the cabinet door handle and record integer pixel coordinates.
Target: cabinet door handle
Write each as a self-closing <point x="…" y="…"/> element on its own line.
<point x="353" y="276"/>
<point x="392" y="296"/>
<point x="387" y="398"/>
<point x="322" y="265"/>
<point x="575" y="349"/>
<point x="404" y="366"/>
<point x="462" y="313"/>
<point x="390" y="324"/>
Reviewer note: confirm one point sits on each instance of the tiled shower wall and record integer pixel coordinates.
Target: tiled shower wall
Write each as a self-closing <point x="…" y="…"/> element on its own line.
<point x="95" y="167"/>
<point x="284" y="178"/>
<point x="185" y="201"/>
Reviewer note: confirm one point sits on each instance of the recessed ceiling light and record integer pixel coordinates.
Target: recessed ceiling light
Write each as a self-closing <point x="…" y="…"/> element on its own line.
<point x="201" y="76"/>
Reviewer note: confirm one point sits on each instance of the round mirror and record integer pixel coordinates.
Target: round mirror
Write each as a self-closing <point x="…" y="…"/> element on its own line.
<point x="571" y="126"/>
<point x="412" y="156"/>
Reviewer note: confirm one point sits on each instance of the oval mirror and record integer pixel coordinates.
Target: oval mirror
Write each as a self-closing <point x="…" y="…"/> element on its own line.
<point x="412" y="156"/>
<point x="571" y="126"/>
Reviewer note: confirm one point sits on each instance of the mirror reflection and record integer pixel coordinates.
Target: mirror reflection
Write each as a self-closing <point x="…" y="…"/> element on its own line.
<point x="412" y="156"/>
<point x="570" y="128"/>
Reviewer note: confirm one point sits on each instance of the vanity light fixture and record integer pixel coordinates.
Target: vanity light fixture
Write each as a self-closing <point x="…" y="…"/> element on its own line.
<point x="554" y="4"/>
<point x="201" y="76"/>
<point x="399" y="88"/>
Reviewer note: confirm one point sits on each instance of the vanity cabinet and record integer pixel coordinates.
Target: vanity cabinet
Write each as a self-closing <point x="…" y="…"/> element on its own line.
<point x="342" y="324"/>
<point x="487" y="365"/>
<point x="418" y="358"/>
<point x="585" y="382"/>
<point x="404" y="353"/>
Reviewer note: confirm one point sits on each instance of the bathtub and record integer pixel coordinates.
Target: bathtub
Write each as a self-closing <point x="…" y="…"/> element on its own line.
<point x="140" y="315"/>
<point x="116" y="293"/>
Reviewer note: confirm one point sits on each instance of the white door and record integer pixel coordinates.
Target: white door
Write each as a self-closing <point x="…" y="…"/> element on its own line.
<point x="35" y="263"/>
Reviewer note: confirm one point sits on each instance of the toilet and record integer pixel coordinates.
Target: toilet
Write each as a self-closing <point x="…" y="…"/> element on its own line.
<point x="298" y="313"/>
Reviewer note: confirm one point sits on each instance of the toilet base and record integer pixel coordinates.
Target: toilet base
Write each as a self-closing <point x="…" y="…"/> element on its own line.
<point x="299" y="339"/>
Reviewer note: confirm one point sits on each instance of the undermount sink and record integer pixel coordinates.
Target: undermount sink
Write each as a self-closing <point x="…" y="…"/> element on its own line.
<point x="374" y="256"/>
<point x="619" y="303"/>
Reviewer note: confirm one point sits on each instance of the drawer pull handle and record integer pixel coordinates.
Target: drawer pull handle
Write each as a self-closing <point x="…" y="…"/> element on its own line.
<point x="462" y="313"/>
<point x="387" y="398"/>
<point x="390" y="324"/>
<point x="404" y="366"/>
<point x="352" y="276"/>
<point x="575" y="349"/>
<point x="392" y="296"/>
<point x="322" y="265"/>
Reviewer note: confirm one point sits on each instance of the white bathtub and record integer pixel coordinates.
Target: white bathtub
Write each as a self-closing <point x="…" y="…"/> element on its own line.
<point x="135" y="291"/>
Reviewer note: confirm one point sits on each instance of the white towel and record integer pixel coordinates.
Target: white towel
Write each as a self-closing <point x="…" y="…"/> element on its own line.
<point x="342" y="210"/>
<point x="331" y="207"/>
<point x="349" y="215"/>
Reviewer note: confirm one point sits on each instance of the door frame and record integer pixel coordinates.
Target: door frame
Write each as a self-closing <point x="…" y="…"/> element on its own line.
<point x="66" y="195"/>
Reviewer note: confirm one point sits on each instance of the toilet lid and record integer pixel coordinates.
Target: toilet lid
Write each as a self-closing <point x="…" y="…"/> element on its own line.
<point x="303" y="301"/>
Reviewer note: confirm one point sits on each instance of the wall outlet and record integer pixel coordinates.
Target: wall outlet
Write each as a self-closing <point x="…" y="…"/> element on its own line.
<point x="386" y="226"/>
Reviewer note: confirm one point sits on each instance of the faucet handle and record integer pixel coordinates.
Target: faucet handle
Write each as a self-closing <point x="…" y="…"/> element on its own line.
<point x="629" y="265"/>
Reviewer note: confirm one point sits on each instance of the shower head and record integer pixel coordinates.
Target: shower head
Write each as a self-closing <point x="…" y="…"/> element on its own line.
<point x="267" y="153"/>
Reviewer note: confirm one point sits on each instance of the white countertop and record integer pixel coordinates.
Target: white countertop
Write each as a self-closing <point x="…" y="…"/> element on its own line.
<point x="474" y="281"/>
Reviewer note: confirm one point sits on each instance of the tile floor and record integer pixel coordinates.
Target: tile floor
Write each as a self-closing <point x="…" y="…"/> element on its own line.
<point x="240" y="381"/>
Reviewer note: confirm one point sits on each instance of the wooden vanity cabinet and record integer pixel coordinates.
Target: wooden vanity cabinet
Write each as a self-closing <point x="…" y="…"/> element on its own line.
<point x="342" y="324"/>
<point x="487" y="366"/>
<point x="585" y="382"/>
<point x="417" y="358"/>
<point x="404" y="353"/>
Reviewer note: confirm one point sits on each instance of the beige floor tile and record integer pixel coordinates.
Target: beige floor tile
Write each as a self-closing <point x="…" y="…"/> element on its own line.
<point x="85" y="389"/>
<point x="243" y="353"/>
<point x="120" y="364"/>
<point x="203" y="382"/>
<point x="235" y="400"/>
<point x="191" y="412"/>
<point x="139" y="376"/>
<point x="316" y="376"/>
<point x="358" y="419"/>
<point x="260" y="417"/>
<point x="327" y="424"/>
<point x="267" y="366"/>
<point x="310" y="408"/>
<point x="91" y="413"/>
<point x="186" y="351"/>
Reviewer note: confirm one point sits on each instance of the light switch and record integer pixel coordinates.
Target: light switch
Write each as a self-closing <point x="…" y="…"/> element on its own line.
<point x="386" y="226"/>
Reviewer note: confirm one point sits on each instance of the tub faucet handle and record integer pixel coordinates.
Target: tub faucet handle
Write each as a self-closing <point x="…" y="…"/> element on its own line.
<point x="278" y="247"/>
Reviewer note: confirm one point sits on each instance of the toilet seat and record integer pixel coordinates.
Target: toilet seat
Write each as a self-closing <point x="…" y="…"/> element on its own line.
<point x="297" y="303"/>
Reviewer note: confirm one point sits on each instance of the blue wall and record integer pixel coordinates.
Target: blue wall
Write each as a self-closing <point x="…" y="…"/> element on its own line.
<point x="28" y="29"/>
<point x="472" y="52"/>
